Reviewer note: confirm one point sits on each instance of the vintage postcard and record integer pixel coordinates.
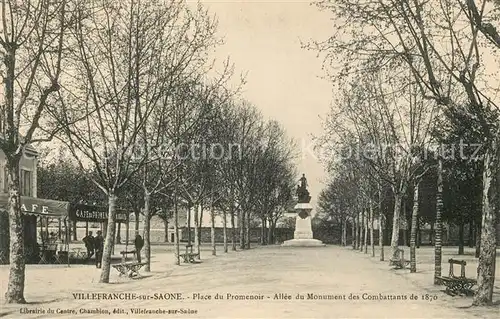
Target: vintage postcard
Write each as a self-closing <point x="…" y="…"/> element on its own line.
<point x="249" y="158"/>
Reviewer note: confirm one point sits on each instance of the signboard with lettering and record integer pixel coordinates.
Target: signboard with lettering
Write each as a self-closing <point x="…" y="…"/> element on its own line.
<point x="38" y="206"/>
<point x="93" y="213"/>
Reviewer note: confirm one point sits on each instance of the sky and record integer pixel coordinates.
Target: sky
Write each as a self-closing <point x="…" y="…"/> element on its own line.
<point x="285" y="81"/>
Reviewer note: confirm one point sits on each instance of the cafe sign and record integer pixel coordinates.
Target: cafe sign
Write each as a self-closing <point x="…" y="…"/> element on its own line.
<point x="38" y="206"/>
<point x="93" y="213"/>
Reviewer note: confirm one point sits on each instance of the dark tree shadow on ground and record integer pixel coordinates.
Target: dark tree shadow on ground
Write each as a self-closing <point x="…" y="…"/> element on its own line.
<point x="127" y="279"/>
<point x="41" y="302"/>
<point x="3" y="314"/>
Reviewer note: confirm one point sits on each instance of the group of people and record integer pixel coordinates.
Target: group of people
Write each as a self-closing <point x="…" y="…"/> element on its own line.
<point x="96" y="244"/>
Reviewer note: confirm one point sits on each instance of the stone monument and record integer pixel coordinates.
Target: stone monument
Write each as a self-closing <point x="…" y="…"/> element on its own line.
<point x="303" y="235"/>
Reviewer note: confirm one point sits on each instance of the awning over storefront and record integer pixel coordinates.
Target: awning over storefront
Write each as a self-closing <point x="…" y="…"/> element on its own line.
<point x="91" y="213"/>
<point x="38" y="206"/>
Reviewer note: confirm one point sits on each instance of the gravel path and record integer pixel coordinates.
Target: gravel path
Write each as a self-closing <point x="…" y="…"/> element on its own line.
<point x="265" y="282"/>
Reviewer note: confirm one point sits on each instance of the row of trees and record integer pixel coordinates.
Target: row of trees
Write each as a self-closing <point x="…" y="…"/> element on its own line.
<point x="129" y="91"/>
<point x="418" y="78"/>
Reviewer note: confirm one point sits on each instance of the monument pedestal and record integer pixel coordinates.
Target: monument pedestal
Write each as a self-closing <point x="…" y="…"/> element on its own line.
<point x="303" y="235"/>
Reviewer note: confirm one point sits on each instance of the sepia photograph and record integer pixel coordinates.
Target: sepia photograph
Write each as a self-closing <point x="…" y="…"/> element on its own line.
<point x="250" y="159"/>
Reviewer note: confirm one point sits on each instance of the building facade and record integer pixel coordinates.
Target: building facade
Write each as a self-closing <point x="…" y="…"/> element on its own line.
<point x="28" y="187"/>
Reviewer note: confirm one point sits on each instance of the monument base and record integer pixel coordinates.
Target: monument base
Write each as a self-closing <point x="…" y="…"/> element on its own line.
<point x="303" y="235"/>
<point x="303" y="243"/>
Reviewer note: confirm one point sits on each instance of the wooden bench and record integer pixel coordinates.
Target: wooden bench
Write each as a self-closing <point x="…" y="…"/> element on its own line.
<point x="189" y="256"/>
<point x="457" y="285"/>
<point x="125" y="253"/>
<point x="399" y="262"/>
<point x="129" y="268"/>
<point x="61" y="257"/>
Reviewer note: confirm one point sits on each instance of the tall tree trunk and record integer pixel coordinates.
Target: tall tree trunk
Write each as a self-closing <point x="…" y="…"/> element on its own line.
<point x="127" y="230"/>
<point x="137" y="214"/>
<point x="176" y="225"/>
<point x="341" y="231"/>
<point x="146" y="231"/>
<point x="366" y="233"/>
<point x="447" y="241"/>
<point x="165" y="225"/>
<point x="461" y="237"/>
<point x="118" y="235"/>
<point x="354" y="233"/>
<point x="381" y="235"/>
<point x="270" y="232"/>
<point x="105" y="228"/>
<point x="439" y="224"/>
<point x="359" y="240"/>
<point x="263" y="232"/>
<point x="405" y="229"/>
<point x="189" y="225"/>
<point x="471" y="234"/>
<point x="241" y="220"/>
<point x="212" y="231"/>
<point x="248" y="231"/>
<point x="344" y="232"/>
<point x="395" y="225"/>
<point x="196" y="234"/>
<point x="233" y="229"/>
<point x="109" y="241"/>
<point x="200" y="225"/>
<point x="431" y="234"/>
<point x="419" y="232"/>
<point x="224" y="230"/>
<point x="372" y="243"/>
<point x="491" y="199"/>
<point x="15" y="286"/>
<point x="361" y="230"/>
<point x="478" y="240"/>
<point x="413" y="235"/>
<point x="86" y="228"/>
<point x="380" y="223"/>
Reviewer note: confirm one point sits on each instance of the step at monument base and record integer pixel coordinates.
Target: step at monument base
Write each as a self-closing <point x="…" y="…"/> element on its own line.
<point x="303" y="243"/>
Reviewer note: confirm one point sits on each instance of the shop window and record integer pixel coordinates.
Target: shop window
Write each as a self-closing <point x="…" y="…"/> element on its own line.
<point x="26" y="183"/>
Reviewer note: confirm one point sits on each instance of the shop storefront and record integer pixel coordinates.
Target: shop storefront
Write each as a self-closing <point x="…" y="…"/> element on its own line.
<point x="36" y="211"/>
<point x="36" y="214"/>
<point x="98" y="214"/>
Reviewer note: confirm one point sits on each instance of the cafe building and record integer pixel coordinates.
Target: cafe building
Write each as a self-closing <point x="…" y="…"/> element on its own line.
<point x="33" y="208"/>
<point x="39" y="242"/>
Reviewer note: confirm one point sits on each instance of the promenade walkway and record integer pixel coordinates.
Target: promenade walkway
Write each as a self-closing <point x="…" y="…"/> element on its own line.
<point x="265" y="282"/>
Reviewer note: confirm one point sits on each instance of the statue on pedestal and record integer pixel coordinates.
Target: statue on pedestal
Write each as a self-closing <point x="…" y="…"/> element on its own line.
<point x="302" y="192"/>
<point x="303" y="234"/>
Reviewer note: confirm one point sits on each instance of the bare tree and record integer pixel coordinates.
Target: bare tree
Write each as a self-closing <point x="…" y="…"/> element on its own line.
<point x="440" y="43"/>
<point x="275" y="178"/>
<point x="178" y="39"/>
<point x="33" y="48"/>
<point x="106" y="62"/>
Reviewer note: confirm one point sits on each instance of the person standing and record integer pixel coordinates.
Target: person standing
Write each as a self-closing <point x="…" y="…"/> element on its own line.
<point x="89" y="244"/>
<point x="99" y="248"/>
<point x="139" y="243"/>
